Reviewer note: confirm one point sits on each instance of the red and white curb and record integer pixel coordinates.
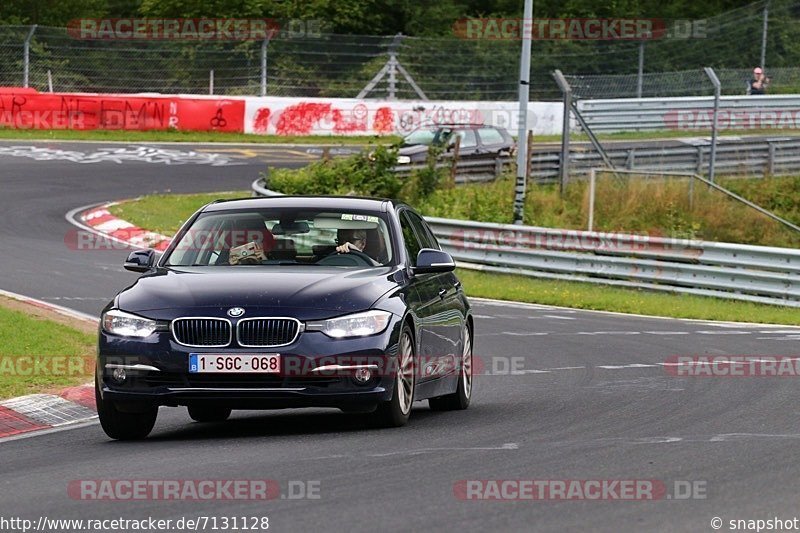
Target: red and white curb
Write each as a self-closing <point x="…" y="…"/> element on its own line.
<point x="103" y="222"/>
<point x="37" y="413"/>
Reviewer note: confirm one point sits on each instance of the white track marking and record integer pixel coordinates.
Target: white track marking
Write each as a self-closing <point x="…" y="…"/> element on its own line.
<point x="49" y="409"/>
<point x="620" y="367"/>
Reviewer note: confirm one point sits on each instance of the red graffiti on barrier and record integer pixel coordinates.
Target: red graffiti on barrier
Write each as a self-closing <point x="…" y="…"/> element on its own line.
<point x="384" y="120"/>
<point x="261" y="122"/>
<point x="26" y="110"/>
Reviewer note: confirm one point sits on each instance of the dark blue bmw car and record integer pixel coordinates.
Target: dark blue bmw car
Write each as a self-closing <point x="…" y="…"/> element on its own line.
<point x="266" y="303"/>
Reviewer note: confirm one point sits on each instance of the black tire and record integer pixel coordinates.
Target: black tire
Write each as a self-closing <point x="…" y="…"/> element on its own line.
<point x="459" y="400"/>
<point x="208" y="413"/>
<point x="124" y="425"/>
<point x="395" y="412"/>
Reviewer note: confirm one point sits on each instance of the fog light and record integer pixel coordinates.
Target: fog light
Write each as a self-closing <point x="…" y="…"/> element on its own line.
<point x="119" y="375"/>
<point x="362" y="375"/>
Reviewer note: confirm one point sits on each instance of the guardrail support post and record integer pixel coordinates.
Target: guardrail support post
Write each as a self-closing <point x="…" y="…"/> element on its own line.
<point x="770" y="161"/>
<point x="26" y="57"/>
<point x="717" y="90"/>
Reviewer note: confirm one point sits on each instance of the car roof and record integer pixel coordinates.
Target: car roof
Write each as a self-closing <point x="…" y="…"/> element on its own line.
<point x="359" y="203"/>
<point x="459" y="125"/>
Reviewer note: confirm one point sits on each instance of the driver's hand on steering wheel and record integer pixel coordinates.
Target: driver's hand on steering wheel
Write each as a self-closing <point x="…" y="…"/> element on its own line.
<point x="346" y="247"/>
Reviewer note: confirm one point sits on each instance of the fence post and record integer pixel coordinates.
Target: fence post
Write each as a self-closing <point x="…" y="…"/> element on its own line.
<point x="211" y="81"/>
<point x="640" y="77"/>
<point x="454" y="165"/>
<point x="26" y="57"/>
<point x="49" y="80"/>
<point x="764" y="36"/>
<point x="564" y="166"/>
<point x="264" y="44"/>
<point x="717" y="89"/>
<point x="592" y="179"/>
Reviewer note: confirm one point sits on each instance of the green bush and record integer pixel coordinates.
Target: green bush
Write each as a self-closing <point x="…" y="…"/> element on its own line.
<point x="370" y="173"/>
<point x="366" y="174"/>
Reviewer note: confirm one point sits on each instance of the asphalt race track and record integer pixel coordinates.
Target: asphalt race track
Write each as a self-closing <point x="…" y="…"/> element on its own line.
<point x="589" y="398"/>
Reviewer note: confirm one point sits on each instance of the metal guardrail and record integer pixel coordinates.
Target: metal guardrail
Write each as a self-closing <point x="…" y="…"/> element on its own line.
<point x="756" y="156"/>
<point x="759" y="274"/>
<point x="723" y="270"/>
<point x="686" y="113"/>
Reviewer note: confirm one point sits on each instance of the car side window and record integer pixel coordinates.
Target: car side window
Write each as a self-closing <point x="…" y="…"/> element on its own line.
<point x="426" y="237"/>
<point x="491" y="136"/>
<point x="410" y="239"/>
<point x="468" y="139"/>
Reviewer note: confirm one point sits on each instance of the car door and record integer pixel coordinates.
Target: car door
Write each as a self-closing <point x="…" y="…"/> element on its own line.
<point x="492" y="141"/>
<point x="428" y="301"/>
<point x="453" y="312"/>
<point x="468" y="144"/>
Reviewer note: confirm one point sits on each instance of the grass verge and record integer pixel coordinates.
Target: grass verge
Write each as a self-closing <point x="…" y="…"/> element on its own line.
<point x="606" y="298"/>
<point x="202" y="136"/>
<point x="189" y="137"/>
<point x="51" y="354"/>
<point x="166" y="211"/>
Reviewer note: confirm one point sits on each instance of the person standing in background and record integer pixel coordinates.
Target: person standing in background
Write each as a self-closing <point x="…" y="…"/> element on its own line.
<point x="759" y="82"/>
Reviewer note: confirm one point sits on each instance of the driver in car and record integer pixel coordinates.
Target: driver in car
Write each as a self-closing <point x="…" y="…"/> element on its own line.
<point x="356" y="240"/>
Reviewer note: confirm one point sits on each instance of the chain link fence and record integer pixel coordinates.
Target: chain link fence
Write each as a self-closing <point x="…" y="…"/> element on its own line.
<point x="329" y="65"/>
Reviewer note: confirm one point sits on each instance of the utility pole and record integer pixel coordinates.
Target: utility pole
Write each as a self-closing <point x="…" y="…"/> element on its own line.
<point x="524" y="94"/>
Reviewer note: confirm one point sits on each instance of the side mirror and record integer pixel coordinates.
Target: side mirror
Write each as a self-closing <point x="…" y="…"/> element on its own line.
<point x="140" y="260"/>
<point x="430" y="261"/>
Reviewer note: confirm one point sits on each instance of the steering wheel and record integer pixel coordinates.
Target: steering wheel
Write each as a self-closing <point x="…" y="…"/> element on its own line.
<point x="351" y="258"/>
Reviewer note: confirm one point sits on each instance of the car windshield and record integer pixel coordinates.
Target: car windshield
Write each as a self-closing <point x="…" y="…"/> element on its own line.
<point x="421" y="136"/>
<point x="283" y="236"/>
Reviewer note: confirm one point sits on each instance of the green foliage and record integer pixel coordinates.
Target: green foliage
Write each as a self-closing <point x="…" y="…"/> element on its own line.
<point x="366" y="174"/>
<point x="370" y="173"/>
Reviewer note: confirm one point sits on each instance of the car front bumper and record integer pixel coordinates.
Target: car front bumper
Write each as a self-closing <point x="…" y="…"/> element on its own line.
<point x="316" y="371"/>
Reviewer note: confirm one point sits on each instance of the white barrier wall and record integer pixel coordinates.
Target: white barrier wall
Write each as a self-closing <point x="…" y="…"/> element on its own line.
<point x="345" y="116"/>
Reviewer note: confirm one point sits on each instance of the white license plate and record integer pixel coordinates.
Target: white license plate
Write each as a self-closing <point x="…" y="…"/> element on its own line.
<point x="234" y="363"/>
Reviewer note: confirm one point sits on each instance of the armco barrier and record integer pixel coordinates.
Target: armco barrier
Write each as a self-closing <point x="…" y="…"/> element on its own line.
<point x="691" y="113"/>
<point x="724" y="270"/>
<point x="27" y="109"/>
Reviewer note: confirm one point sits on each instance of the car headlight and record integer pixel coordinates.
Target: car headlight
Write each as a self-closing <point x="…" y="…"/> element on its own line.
<point x="403" y="160"/>
<point x="356" y="325"/>
<point x="127" y="325"/>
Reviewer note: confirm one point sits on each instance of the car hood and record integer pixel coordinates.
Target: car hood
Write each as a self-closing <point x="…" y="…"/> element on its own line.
<point x="278" y="287"/>
<point x="413" y="149"/>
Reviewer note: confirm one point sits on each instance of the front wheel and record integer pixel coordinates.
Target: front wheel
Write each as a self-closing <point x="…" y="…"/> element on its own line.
<point x="396" y="411"/>
<point x="460" y="399"/>
<point x="208" y="413"/>
<point x="124" y="425"/>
